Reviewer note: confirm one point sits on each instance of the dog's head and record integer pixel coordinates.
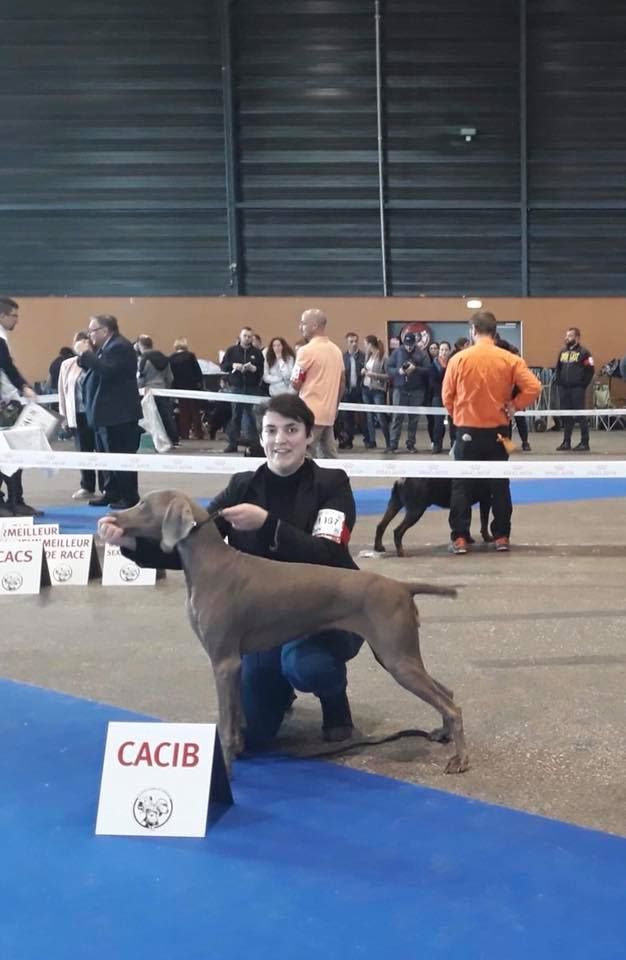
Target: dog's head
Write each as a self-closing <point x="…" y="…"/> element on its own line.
<point x="167" y="516"/>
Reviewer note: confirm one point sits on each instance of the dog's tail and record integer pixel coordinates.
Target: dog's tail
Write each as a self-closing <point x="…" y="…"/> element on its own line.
<point x="419" y="587"/>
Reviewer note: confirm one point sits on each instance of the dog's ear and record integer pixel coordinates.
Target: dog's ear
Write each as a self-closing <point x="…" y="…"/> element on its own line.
<point x="178" y="523"/>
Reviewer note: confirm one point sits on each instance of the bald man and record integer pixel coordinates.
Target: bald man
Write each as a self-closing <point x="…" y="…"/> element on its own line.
<point x="319" y="377"/>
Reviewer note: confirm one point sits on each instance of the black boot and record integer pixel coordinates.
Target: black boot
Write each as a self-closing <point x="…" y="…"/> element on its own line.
<point x="336" y="717"/>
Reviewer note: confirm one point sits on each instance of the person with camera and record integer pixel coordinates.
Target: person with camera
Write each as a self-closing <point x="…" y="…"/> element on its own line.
<point x="291" y="511"/>
<point x="409" y="373"/>
<point x="244" y="363"/>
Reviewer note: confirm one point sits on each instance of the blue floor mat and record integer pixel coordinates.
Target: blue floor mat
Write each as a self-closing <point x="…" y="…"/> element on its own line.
<point x="370" y="502"/>
<point x="313" y="861"/>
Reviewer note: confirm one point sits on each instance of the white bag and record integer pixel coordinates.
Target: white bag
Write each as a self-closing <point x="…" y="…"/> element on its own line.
<point x="153" y="424"/>
<point x="34" y="415"/>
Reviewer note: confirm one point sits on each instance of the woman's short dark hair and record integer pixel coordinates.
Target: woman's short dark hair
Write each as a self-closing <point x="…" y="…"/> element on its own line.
<point x="290" y="406"/>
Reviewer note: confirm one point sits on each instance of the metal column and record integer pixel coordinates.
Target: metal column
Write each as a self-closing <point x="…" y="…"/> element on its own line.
<point x="381" y="159"/>
<point x="523" y="142"/>
<point x="230" y="153"/>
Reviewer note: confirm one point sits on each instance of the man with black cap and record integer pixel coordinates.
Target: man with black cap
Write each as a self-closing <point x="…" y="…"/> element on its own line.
<point x="409" y="372"/>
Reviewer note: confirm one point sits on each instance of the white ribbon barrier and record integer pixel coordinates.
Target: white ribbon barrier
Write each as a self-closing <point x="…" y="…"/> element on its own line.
<point x="46" y="398"/>
<point x="387" y="468"/>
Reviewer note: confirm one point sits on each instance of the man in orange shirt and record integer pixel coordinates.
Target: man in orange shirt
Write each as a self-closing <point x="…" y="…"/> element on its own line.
<point x="319" y="377"/>
<point x="478" y="394"/>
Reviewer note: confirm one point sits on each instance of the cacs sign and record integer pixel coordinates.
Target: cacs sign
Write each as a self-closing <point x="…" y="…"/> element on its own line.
<point x="158" y="779"/>
<point x="22" y="567"/>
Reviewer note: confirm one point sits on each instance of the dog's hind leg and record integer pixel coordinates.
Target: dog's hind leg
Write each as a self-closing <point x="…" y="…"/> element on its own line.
<point x="411" y="676"/>
<point x="394" y="507"/>
<point x="409" y="521"/>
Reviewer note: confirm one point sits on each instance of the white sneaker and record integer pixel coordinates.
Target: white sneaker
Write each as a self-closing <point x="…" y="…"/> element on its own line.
<point x="82" y="494"/>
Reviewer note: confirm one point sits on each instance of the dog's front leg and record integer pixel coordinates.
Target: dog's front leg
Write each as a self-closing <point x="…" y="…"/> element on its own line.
<point x="227" y="671"/>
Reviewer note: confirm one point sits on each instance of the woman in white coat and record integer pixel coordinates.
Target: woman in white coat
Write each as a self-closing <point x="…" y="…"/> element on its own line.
<point x="71" y="407"/>
<point x="279" y="362"/>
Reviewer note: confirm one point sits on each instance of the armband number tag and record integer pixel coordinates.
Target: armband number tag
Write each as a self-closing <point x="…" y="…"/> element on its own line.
<point x="330" y="524"/>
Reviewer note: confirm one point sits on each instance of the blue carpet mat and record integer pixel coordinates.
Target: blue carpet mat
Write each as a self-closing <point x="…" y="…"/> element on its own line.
<point x="83" y="518"/>
<point x="313" y="861"/>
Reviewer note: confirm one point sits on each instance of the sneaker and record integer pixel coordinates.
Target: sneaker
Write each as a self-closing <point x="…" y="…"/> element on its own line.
<point x="566" y="445"/>
<point x="82" y="494"/>
<point x="582" y="447"/>
<point x="336" y="718"/>
<point x="411" y="449"/>
<point x="231" y="448"/>
<point x="458" y="546"/>
<point x="100" y="502"/>
<point x="526" y="446"/>
<point x="503" y="544"/>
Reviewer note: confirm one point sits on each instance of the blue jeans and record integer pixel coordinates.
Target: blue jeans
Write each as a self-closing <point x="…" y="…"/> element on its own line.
<point x="314" y="664"/>
<point x="405" y="398"/>
<point x="242" y="425"/>
<point x="379" y="397"/>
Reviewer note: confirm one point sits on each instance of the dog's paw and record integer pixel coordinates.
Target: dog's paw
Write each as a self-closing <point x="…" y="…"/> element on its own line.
<point x="457" y="764"/>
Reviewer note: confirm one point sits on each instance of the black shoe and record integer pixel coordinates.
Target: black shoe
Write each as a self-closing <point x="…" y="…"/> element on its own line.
<point x="336" y="718"/>
<point x="122" y="505"/>
<point x="437" y="448"/>
<point x="582" y="447"/>
<point x="410" y="449"/>
<point x="231" y="448"/>
<point x="526" y="446"/>
<point x="25" y="510"/>
<point x="566" y="445"/>
<point x="100" y="502"/>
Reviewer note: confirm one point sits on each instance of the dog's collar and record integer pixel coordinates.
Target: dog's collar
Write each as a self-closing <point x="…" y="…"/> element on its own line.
<point x="211" y="517"/>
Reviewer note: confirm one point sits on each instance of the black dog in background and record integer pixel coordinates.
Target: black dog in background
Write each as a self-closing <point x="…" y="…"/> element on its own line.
<point x="415" y="495"/>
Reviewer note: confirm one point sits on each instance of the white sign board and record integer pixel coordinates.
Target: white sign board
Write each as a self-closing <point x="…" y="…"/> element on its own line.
<point x="22" y="567"/>
<point x="22" y="531"/>
<point x="157" y="779"/>
<point x="118" y="571"/>
<point x="71" y="559"/>
<point x="9" y="523"/>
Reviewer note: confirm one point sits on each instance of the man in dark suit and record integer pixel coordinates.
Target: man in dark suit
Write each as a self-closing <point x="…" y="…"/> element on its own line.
<point x="353" y="364"/>
<point x="12" y="384"/>
<point x="112" y="405"/>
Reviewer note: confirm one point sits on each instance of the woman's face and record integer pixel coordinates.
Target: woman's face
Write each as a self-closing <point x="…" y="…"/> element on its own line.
<point x="369" y="348"/>
<point x="444" y="351"/>
<point x="285" y="443"/>
<point x="277" y="347"/>
<point x="433" y="350"/>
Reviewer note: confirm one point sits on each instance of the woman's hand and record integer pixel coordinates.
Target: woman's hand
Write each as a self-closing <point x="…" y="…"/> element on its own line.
<point x="110" y="531"/>
<point x="244" y="516"/>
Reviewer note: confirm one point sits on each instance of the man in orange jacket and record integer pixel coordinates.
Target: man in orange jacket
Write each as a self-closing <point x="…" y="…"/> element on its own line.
<point x="478" y="394"/>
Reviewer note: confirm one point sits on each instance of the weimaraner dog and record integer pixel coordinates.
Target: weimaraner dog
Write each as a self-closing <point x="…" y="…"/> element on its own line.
<point x="239" y="604"/>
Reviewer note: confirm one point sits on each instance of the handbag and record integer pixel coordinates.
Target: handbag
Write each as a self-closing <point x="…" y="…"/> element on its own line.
<point x="9" y="412"/>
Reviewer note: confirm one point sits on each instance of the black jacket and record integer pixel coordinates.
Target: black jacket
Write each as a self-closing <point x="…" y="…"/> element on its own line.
<point x="8" y="367"/>
<point x="186" y="371"/>
<point x="110" y="390"/>
<point x="419" y="379"/>
<point x="359" y="363"/>
<point x="320" y="488"/>
<point x="574" y="367"/>
<point x="248" y="381"/>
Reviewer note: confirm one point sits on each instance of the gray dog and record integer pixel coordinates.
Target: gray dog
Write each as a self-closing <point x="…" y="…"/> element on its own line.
<point x="239" y="604"/>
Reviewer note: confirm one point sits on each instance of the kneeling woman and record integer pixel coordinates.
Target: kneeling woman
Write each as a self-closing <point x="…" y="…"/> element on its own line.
<point x="288" y="510"/>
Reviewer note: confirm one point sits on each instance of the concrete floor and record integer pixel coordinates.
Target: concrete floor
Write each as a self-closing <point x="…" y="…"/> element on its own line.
<point x="533" y="647"/>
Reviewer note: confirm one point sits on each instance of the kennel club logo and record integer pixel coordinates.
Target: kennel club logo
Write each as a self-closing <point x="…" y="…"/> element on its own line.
<point x="129" y="572"/>
<point x="152" y="808"/>
<point x="12" y="582"/>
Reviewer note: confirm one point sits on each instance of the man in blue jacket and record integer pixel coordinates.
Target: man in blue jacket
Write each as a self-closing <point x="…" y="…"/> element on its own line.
<point x="409" y="374"/>
<point x="112" y="406"/>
